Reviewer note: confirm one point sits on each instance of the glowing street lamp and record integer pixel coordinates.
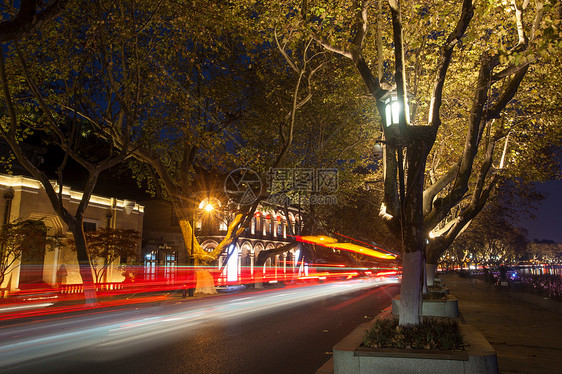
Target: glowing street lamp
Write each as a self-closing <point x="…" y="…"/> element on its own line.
<point x="393" y="107"/>
<point x="208" y="204"/>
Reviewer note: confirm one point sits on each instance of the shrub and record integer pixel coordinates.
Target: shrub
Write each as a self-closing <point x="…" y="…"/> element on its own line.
<point x="433" y="333"/>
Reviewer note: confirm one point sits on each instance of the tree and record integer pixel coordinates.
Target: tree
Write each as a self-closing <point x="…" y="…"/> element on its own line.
<point x="202" y="107"/>
<point x="545" y="251"/>
<point x="490" y="239"/>
<point x="14" y="237"/>
<point x="334" y="130"/>
<point x="30" y="15"/>
<point x="471" y="94"/>
<point x="105" y="69"/>
<point x="42" y="93"/>
<point x="108" y="245"/>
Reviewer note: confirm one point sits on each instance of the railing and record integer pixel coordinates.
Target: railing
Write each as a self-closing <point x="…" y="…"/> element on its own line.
<point x="100" y="287"/>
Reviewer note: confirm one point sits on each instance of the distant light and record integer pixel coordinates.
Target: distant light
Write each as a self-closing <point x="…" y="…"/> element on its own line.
<point x="209" y="208"/>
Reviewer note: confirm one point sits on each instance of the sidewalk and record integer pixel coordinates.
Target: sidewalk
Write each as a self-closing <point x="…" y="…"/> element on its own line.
<point x="524" y="329"/>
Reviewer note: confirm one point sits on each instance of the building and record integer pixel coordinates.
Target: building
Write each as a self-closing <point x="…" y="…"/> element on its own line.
<point x="164" y="248"/>
<point x="25" y="198"/>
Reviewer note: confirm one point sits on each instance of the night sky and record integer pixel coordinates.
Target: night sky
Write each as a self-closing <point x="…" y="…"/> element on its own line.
<point x="548" y="224"/>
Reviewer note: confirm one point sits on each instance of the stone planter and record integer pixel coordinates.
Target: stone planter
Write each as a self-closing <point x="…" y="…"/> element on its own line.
<point x="440" y="289"/>
<point x="351" y="358"/>
<point x="433" y="308"/>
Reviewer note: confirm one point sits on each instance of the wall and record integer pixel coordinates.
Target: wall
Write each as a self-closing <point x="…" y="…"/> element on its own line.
<point x="31" y="202"/>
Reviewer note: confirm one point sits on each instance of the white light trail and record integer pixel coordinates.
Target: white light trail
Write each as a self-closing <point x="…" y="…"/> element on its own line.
<point x="25" y="306"/>
<point x="123" y="332"/>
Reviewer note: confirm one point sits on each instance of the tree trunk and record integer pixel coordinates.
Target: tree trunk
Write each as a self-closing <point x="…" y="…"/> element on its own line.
<point x="205" y="283"/>
<point x="84" y="263"/>
<point x="413" y="236"/>
<point x="202" y="279"/>
<point x="187" y="232"/>
<point x="258" y="277"/>
<point x="410" y="290"/>
<point x="430" y="270"/>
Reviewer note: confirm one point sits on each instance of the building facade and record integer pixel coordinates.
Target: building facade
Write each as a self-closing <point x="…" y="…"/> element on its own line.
<point x="25" y="198"/>
<point x="164" y="248"/>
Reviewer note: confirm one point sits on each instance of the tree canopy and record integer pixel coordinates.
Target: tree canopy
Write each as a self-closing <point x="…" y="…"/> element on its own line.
<point x="464" y="63"/>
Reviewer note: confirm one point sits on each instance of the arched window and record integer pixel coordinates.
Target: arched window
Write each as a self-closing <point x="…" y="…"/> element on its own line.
<point x="267" y="225"/>
<point x="279" y="223"/>
<point x="291" y="222"/>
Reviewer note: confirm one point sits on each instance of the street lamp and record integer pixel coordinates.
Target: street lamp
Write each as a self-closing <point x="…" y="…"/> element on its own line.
<point x="393" y="107"/>
<point x="207" y="205"/>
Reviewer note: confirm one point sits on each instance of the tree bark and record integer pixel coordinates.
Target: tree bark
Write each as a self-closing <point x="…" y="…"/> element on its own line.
<point x="413" y="235"/>
<point x="83" y="261"/>
<point x="410" y="290"/>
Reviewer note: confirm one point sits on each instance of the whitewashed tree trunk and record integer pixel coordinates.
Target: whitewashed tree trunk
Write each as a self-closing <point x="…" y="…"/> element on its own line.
<point x="430" y="270"/>
<point x="205" y="283"/>
<point x="258" y="278"/>
<point x="424" y="278"/>
<point x="410" y="290"/>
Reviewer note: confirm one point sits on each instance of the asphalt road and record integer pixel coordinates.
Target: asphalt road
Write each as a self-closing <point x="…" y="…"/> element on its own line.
<point x="292" y="336"/>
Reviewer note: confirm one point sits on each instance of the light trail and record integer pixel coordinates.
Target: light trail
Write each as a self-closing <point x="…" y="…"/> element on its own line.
<point x="23" y="307"/>
<point x="113" y="334"/>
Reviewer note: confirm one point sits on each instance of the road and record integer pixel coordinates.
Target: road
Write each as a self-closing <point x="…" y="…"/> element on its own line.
<point x="277" y="331"/>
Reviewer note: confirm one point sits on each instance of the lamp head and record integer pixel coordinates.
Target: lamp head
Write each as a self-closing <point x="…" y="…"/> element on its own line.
<point x="393" y="107"/>
<point x="209" y="204"/>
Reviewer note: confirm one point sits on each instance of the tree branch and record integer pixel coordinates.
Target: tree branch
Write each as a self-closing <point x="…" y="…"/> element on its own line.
<point x="432" y="191"/>
<point x="28" y="19"/>
<point x="326" y="45"/>
<point x="361" y="24"/>
<point x="454" y="37"/>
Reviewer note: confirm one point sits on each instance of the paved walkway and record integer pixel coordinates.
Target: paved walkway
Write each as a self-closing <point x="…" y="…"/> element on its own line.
<point x="524" y="329"/>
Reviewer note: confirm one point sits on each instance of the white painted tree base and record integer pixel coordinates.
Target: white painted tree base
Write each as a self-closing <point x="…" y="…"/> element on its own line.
<point x="430" y="270"/>
<point x="205" y="283"/>
<point x="410" y="291"/>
